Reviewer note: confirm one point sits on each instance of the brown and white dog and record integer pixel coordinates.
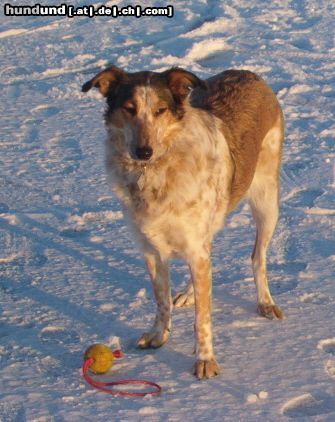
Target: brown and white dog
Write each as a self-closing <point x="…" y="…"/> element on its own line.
<point x="182" y="153"/>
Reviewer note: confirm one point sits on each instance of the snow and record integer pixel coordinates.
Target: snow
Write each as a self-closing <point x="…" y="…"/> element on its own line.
<point x="12" y="32"/>
<point x="70" y="275"/>
<point x="205" y="48"/>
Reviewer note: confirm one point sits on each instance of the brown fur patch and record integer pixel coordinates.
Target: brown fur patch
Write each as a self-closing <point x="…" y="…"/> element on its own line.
<point x="248" y="109"/>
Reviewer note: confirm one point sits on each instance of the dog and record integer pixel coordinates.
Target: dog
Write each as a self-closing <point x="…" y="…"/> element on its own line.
<point x="182" y="152"/>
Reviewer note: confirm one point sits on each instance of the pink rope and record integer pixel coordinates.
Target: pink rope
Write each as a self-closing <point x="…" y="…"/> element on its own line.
<point x="101" y="385"/>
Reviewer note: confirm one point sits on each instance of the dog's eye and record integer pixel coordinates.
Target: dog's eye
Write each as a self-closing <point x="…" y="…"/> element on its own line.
<point x="129" y="109"/>
<point x="160" y="111"/>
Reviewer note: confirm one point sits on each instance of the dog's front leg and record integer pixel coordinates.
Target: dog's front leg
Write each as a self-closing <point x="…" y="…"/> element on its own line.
<point x="160" y="332"/>
<point x="206" y="365"/>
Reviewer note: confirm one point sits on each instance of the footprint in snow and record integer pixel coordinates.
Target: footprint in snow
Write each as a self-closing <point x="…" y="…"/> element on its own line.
<point x="65" y="154"/>
<point x="45" y="111"/>
<point x="55" y="368"/>
<point x="59" y="335"/>
<point x="330" y="368"/>
<point x="307" y="405"/>
<point x="328" y="346"/>
<point x="315" y="298"/>
<point x="30" y="135"/>
<point x="301" y="24"/>
<point x="303" y="43"/>
<point x="305" y="198"/>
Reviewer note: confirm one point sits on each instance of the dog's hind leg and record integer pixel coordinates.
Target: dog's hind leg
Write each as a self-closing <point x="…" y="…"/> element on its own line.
<point x="263" y="198"/>
<point x="184" y="297"/>
<point x="160" y="332"/>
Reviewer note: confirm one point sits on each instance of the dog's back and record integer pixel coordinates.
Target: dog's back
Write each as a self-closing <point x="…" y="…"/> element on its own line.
<point x="248" y="109"/>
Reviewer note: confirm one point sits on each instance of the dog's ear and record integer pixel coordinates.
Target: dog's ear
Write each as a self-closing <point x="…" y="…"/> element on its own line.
<point x="105" y="81"/>
<point x="181" y="82"/>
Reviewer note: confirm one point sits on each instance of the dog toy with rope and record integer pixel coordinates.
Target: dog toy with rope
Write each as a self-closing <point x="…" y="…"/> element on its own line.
<point x="99" y="359"/>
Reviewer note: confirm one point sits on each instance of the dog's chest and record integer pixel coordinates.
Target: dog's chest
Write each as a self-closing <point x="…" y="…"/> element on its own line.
<point x="174" y="212"/>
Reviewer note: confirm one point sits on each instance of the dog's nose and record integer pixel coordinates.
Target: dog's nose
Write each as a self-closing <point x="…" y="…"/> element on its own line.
<point x="143" y="153"/>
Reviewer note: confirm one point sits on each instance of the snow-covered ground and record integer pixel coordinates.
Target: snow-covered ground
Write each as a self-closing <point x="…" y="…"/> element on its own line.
<point x="69" y="273"/>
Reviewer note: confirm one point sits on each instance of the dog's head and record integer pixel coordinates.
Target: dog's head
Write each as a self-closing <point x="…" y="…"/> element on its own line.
<point x="145" y="108"/>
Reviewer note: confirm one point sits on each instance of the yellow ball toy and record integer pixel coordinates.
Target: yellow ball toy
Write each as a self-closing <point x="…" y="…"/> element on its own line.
<point x="102" y="358"/>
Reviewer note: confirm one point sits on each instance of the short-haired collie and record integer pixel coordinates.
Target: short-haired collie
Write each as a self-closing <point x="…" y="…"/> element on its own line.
<point x="182" y="152"/>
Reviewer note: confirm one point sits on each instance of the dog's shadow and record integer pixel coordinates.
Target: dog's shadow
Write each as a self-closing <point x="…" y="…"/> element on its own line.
<point x="66" y="346"/>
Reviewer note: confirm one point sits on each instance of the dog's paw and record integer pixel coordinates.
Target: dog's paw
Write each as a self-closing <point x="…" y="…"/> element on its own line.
<point x="183" y="299"/>
<point x="270" y="311"/>
<point x="204" y="369"/>
<point x="153" y="339"/>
